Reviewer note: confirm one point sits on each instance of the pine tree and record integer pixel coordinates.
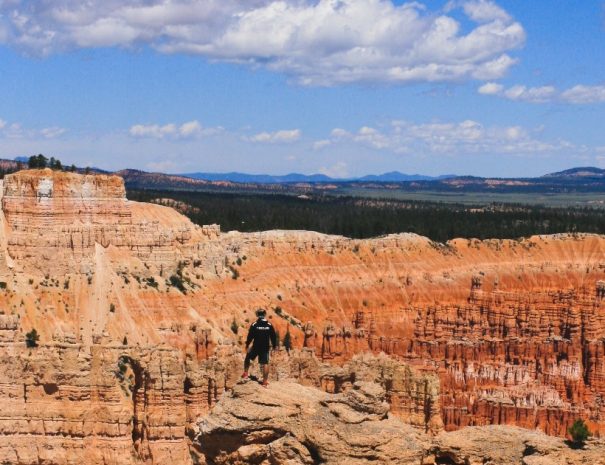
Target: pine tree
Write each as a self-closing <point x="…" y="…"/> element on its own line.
<point x="579" y="432"/>
<point x="37" y="161"/>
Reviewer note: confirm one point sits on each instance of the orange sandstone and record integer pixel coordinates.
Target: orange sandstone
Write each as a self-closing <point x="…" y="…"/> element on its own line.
<point x="513" y="330"/>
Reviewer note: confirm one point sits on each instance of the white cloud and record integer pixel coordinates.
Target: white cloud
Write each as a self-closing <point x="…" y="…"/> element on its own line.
<point x="52" y="132"/>
<point x="579" y="94"/>
<point x="338" y="132"/>
<point x="190" y="128"/>
<point x="153" y="130"/>
<point x="433" y="147"/>
<point x="373" y="138"/>
<point x="317" y="42"/>
<point x="584" y="94"/>
<point x="491" y="88"/>
<point x="186" y="130"/>
<point x="320" y="144"/>
<point x="450" y="138"/>
<point x="283" y="136"/>
<point x="17" y="131"/>
<point x="532" y="94"/>
<point x="484" y="11"/>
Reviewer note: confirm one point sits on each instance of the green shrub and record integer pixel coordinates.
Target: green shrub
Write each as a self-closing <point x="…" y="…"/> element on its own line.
<point x="32" y="338"/>
<point x="579" y="432"/>
<point x="234" y="326"/>
<point x="177" y="281"/>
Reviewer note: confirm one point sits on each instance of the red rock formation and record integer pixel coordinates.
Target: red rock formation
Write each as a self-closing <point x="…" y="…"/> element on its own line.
<point x="515" y="330"/>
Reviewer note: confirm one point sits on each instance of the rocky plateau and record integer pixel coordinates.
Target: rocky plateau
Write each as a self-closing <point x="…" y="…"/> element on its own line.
<point x="410" y="351"/>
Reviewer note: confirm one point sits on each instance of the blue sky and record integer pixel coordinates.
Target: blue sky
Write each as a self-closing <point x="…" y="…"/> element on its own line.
<point x="341" y="87"/>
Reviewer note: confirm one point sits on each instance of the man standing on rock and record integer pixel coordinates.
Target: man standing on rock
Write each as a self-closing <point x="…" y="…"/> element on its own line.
<point x="263" y="338"/>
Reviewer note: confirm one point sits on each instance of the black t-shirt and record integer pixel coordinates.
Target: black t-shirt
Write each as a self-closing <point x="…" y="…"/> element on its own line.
<point x="263" y="334"/>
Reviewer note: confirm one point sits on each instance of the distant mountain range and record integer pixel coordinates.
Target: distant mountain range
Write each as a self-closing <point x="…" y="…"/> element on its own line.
<point x="586" y="179"/>
<point x="393" y="176"/>
<point x="583" y="179"/>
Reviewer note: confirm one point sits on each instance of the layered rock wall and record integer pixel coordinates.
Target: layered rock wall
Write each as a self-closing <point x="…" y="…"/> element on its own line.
<point x="66" y="404"/>
<point x="289" y="424"/>
<point x="513" y="330"/>
<point x="54" y="220"/>
<point x="116" y="404"/>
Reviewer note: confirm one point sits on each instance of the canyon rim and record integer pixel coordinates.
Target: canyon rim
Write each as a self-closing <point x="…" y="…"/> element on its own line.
<point x="141" y="315"/>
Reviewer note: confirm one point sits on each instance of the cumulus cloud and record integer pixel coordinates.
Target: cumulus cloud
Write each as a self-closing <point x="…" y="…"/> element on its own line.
<point x="153" y="130"/>
<point x="584" y="94"/>
<point x="17" y="131"/>
<point x="580" y="94"/>
<point x="531" y="94"/>
<point x="316" y="42"/>
<point x="185" y="130"/>
<point x="449" y="138"/>
<point x="491" y="88"/>
<point x="283" y="136"/>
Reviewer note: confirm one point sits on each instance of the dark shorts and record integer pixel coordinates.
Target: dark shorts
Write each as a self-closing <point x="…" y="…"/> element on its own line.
<point x="263" y="355"/>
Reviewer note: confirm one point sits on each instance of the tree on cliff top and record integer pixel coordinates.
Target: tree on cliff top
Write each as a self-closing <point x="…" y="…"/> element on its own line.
<point x="37" y="162"/>
<point x="55" y="164"/>
<point x="579" y="432"/>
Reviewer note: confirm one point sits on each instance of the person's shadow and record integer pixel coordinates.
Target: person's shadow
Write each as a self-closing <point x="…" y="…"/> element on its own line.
<point x="255" y="378"/>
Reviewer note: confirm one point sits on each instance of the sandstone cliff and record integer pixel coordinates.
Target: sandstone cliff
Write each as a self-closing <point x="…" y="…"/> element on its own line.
<point x="478" y="332"/>
<point x="289" y="424"/>
<point x="253" y="424"/>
